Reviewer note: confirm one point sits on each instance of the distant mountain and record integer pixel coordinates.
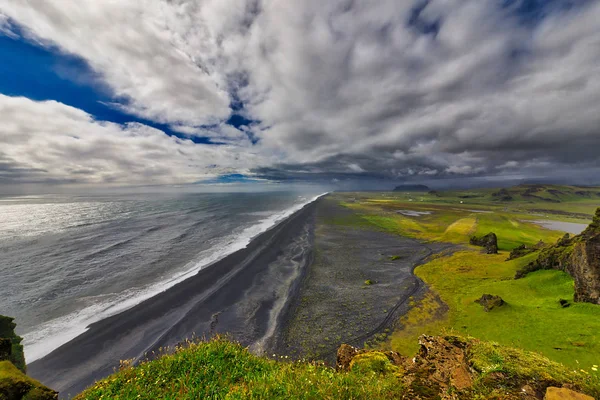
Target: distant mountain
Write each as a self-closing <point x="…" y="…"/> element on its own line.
<point x="546" y="193"/>
<point x="411" y="188"/>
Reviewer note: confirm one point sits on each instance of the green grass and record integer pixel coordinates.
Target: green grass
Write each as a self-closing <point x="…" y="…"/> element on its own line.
<point x="14" y="384"/>
<point x="532" y="319"/>
<point x="516" y="367"/>
<point x="220" y="369"/>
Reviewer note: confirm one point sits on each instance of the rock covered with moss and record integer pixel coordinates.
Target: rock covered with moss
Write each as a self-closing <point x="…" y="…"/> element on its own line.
<point x="14" y="384"/>
<point x="579" y="256"/>
<point x="490" y="301"/>
<point x="11" y="348"/>
<point x="489" y="242"/>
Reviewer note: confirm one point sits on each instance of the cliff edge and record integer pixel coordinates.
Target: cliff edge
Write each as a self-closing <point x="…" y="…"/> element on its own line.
<point x="579" y="256"/>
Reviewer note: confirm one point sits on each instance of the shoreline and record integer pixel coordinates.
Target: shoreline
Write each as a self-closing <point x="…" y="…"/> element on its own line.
<point x="78" y="322"/>
<point x="235" y="295"/>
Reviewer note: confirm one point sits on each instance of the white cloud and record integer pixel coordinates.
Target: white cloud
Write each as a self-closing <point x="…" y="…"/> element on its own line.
<point x="343" y="84"/>
<point x="131" y="44"/>
<point x="51" y="142"/>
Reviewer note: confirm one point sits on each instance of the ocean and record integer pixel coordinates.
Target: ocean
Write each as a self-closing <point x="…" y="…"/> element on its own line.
<point x="69" y="261"/>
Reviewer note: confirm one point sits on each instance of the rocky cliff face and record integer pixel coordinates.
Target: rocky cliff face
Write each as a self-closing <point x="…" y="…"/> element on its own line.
<point x="579" y="256"/>
<point x="11" y="348"/>
<point x="14" y="384"/>
<point x="585" y="269"/>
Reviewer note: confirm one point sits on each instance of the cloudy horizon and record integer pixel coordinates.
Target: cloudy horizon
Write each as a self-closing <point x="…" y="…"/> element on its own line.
<point x="212" y="92"/>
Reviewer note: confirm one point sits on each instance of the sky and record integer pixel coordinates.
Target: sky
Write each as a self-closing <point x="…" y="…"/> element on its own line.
<point x="341" y="92"/>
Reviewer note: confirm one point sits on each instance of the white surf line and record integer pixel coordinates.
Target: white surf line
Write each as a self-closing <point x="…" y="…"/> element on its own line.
<point x="54" y="333"/>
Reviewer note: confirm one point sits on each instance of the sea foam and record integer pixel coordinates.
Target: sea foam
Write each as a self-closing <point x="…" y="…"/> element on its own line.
<point x="54" y="333"/>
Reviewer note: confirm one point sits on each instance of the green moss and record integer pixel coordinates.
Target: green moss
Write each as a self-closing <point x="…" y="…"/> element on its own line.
<point x="7" y="330"/>
<point x="518" y="367"/>
<point x="372" y="362"/>
<point x="14" y="384"/>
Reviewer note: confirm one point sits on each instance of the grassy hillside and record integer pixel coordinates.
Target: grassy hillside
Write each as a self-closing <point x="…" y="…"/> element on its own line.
<point x="225" y="370"/>
<point x="533" y="318"/>
<point x="220" y="369"/>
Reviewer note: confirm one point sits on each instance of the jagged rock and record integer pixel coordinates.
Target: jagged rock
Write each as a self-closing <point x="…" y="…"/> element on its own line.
<point x="441" y="364"/>
<point x="579" y="256"/>
<point x="554" y="393"/>
<point x="7" y="331"/>
<point x="345" y="354"/>
<point x="585" y="269"/>
<point x="489" y="242"/>
<point x="490" y="301"/>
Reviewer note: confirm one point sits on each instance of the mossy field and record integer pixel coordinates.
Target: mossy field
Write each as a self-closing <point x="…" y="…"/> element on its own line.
<point x="532" y="318"/>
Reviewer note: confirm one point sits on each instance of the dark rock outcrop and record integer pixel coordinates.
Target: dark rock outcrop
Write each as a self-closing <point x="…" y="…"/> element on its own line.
<point x="585" y="269"/>
<point x="14" y="351"/>
<point x="489" y="242"/>
<point x="14" y="384"/>
<point x="579" y="256"/>
<point x="490" y="301"/>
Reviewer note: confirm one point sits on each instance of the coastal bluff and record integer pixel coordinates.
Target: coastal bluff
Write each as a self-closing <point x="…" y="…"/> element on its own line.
<point x="579" y="256"/>
<point x="14" y="384"/>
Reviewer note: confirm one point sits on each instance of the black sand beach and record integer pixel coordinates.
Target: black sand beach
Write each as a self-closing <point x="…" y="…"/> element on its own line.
<point x="243" y="294"/>
<point x="298" y="289"/>
<point x="360" y="283"/>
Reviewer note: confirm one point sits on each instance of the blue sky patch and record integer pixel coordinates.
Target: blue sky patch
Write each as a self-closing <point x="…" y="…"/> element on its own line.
<point x="45" y="73"/>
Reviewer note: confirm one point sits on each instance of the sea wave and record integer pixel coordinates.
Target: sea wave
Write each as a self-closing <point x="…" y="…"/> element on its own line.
<point x="54" y="333"/>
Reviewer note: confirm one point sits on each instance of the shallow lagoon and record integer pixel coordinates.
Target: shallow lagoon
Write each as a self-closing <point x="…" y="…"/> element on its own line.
<point x="569" y="227"/>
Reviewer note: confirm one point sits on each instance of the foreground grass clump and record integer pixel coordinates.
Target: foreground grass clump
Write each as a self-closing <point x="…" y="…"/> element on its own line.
<point x="14" y="384"/>
<point x="225" y="370"/>
<point x="220" y="369"/>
